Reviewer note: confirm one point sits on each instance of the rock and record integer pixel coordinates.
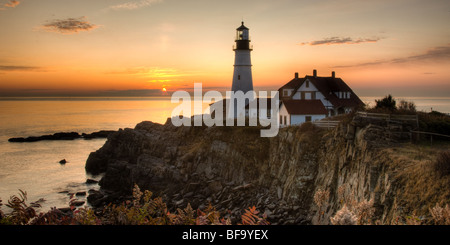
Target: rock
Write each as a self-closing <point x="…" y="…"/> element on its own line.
<point x="289" y="222"/>
<point x="99" y="134"/>
<point x="64" y="136"/>
<point x="189" y="194"/>
<point x="91" y="181"/>
<point x="95" y="198"/>
<point x="63" y="161"/>
<point x="80" y="193"/>
<point x="65" y="210"/>
<point x="219" y="162"/>
<point x="95" y="164"/>
<point x="56" y="136"/>
<point x="77" y="202"/>
<point x="179" y="202"/>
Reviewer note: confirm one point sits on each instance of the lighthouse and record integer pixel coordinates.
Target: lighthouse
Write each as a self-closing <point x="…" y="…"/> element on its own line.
<point x="242" y="75"/>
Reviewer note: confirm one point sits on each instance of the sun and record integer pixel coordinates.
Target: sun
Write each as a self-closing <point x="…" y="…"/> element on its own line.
<point x="164" y="89"/>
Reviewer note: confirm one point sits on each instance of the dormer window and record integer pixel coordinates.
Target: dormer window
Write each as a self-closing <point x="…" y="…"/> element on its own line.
<point x="307" y="84"/>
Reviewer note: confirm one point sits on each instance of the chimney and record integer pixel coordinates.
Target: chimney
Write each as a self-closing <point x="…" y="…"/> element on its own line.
<point x="333" y="74"/>
<point x="315" y="73"/>
<point x="296" y="75"/>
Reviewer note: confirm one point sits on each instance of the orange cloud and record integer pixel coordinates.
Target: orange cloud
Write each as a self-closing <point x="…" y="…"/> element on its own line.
<point x="12" y="4"/>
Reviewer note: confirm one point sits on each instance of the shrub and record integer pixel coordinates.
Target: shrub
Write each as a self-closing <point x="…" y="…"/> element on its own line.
<point x="22" y="213"/>
<point x="440" y="216"/>
<point x="434" y="122"/>
<point x="386" y="103"/>
<point x="145" y="210"/>
<point x="406" y="106"/>
<point x="344" y="217"/>
<point x="142" y="210"/>
<point x="364" y="211"/>
<point x="251" y="217"/>
<point x="321" y="199"/>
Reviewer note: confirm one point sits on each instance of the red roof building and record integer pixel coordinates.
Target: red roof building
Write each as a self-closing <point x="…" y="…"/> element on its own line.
<point x="313" y="98"/>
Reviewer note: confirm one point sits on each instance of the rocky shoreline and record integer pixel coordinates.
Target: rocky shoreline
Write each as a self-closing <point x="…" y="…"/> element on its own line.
<point x="64" y="136"/>
<point x="233" y="168"/>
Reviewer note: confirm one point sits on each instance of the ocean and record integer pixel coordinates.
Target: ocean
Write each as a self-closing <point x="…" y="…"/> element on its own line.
<point x="34" y="167"/>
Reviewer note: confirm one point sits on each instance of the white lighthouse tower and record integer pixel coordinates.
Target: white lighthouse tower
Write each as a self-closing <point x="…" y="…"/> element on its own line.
<point x="242" y="76"/>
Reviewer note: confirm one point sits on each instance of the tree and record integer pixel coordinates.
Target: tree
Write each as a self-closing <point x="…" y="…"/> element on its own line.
<point x="386" y="103"/>
<point x="406" y="106"/>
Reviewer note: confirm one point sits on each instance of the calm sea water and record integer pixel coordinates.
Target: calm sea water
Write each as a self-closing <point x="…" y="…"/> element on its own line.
<point x="34" y="167"/>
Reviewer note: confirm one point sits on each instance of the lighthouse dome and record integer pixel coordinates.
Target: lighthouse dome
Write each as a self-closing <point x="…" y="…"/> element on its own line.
<point x="242" y="27"/>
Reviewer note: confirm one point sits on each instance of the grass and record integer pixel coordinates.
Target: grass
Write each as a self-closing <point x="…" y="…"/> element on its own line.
<point x="422" y="186"/>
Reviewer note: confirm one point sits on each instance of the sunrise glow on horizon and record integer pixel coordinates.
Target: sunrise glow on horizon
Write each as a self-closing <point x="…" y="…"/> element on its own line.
<point x="62" y="47"/>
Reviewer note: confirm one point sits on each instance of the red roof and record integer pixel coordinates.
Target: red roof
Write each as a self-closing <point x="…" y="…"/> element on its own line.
<point x="327" y="86"/>
<point x="305" y="107"/>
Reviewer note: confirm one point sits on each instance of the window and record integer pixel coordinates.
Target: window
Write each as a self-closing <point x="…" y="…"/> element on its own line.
<point x="307" y="84"/>
<point x="285" y="121"/>
<point x="308" y="96"/>
<point x="239" y="35"/>
<point x="307" y="118"/>
<point x="281" y="120"/>
<point x="285" y="92"/>
<point x="239" y="77"/>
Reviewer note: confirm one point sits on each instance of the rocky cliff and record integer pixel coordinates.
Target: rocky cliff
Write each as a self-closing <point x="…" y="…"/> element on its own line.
<point x="233" y="168"/>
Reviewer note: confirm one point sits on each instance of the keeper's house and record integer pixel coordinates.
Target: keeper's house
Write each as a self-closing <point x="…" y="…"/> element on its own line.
<point x="313" y="98"/>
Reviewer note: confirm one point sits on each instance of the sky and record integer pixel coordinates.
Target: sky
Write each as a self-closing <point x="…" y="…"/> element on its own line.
<point x="139" y="47"/>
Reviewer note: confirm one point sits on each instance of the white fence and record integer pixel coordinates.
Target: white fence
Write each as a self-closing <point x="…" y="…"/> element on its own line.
<point x="326" y="124"/>
<point x="392" y="117"/>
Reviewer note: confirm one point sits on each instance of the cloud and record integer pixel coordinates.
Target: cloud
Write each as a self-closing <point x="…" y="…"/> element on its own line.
<point x="156" y="73"/>
<point x="341" y="40"/>
<point x="11" y="4"/>
<point x="72" y="93"/>
<point x="20" y="68"/>
<point x="69" y="25"/>
<point x="134" y="5"/>
<point x="436" y="54"/>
